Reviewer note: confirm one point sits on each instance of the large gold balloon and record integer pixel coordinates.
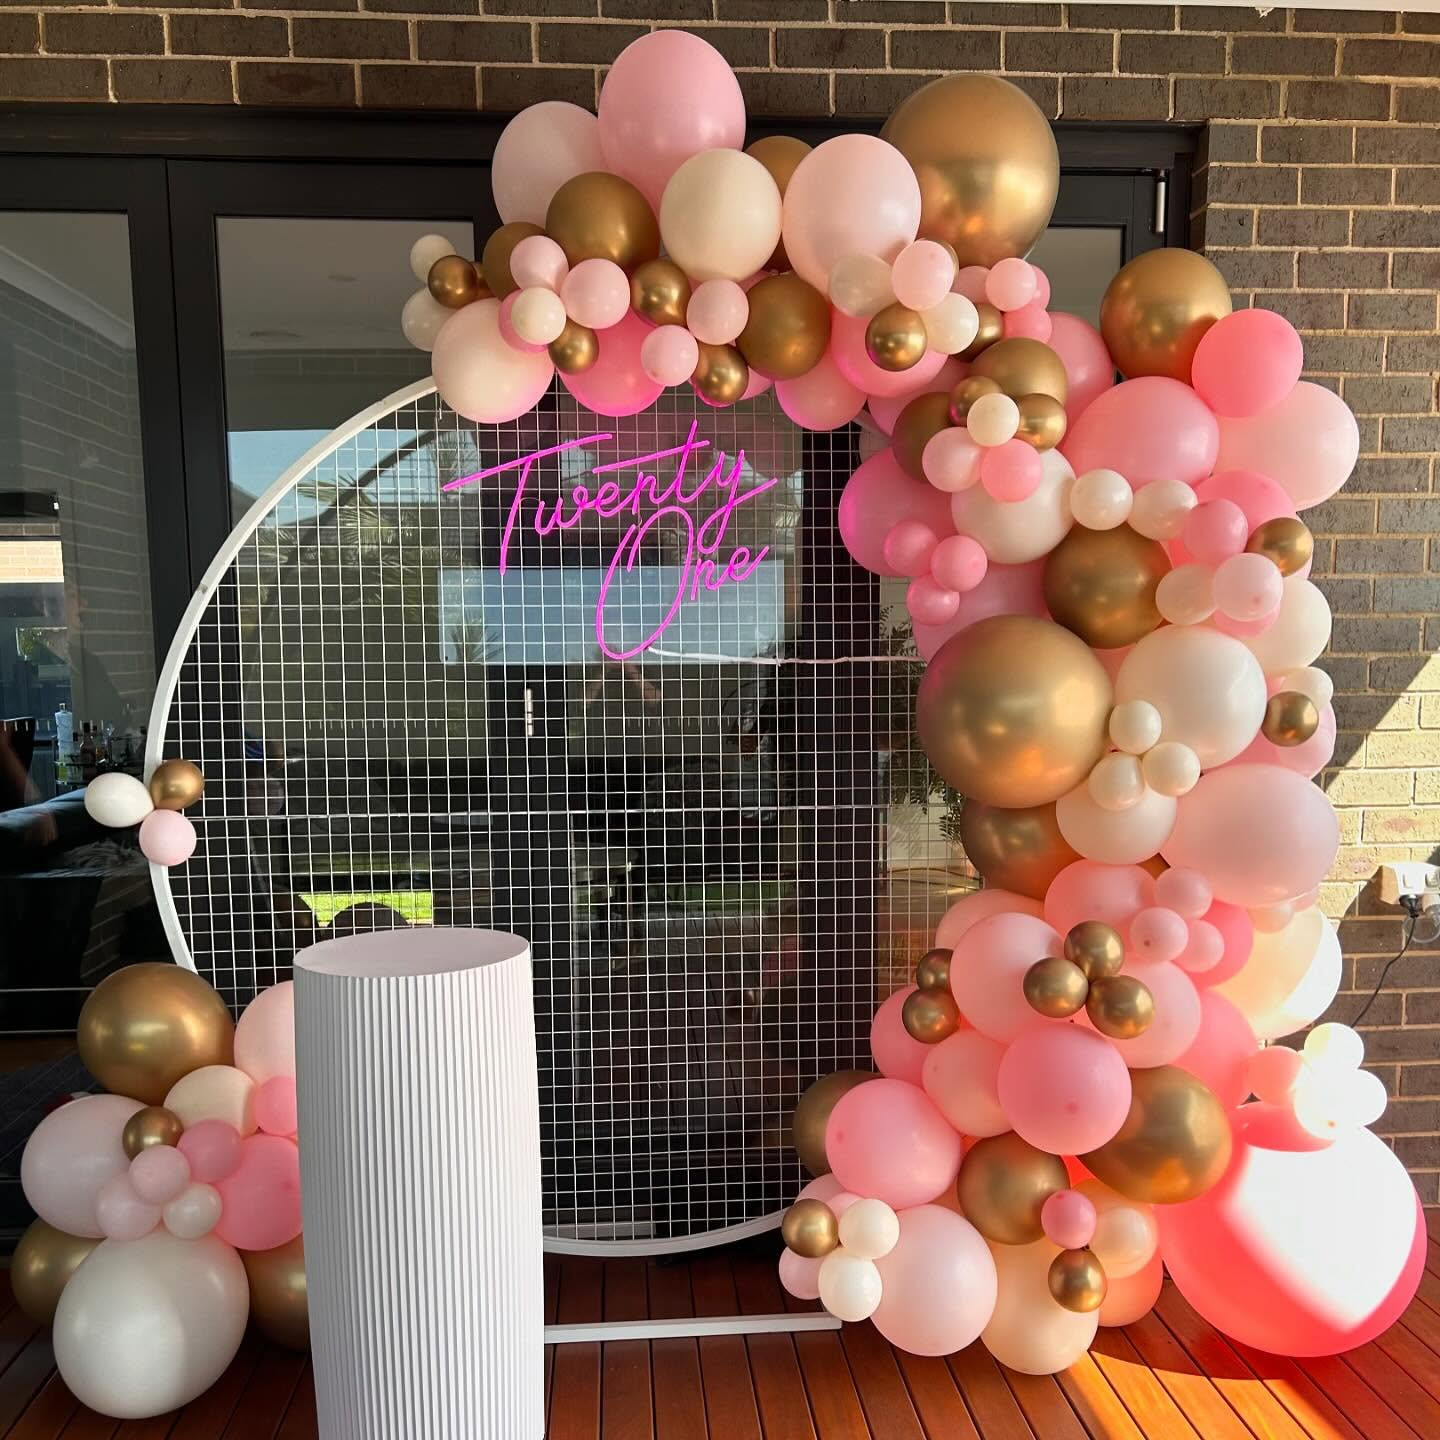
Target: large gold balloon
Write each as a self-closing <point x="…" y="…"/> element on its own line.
<point x="145" y="1026"/>
<point x="575" y="349"/>
<point x="154" y="1125"/>
<point x="1286" y="540"/>
<point x="722" y="374"/>
<point x="660" y="292"/>
<point x="601" y="216"/>
<point x="1077" y="1281"/>
<point x="933" y="970"/>
<point x="987" y="163"/>
<point x="1013" y="711"/>
<point x="789" y="327"/>
<point x="1291" y="718"/>
<point x="895" y="338"/>
<point x="1120" y="1006"/>
<point x="812" y="1114"/>
<point x="1101" y="584"/>
<point x="176" y="785"/>
<point x="453" y="281"/>
<point x="279" y="1297"/>
<point x="810" y="1228"/>
<point x="1042" y="421"/>
<point x="1004" y="1184"/>
<point x="1020" y="850"/>
<point x="1055" y="987"/>
<point x="780" y="155"/>
<point x="989" y="330"/>
<point x="922" y="418"/>
<point x="1022" y="367"/>
<point x="1096" y="948"/>
<point x="1157" y="309"/>
<point x="44" y="1260"/>
<point x="1175" y="1143"/>
<point x="930" y="1016"/>
<point x="495" y="258"/>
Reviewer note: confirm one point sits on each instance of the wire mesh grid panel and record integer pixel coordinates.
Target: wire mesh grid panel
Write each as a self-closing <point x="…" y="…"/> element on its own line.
<point x="630" y="699"/>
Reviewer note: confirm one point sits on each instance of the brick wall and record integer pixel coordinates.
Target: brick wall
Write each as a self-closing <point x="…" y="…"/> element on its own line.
<point x="1318" y="194"/>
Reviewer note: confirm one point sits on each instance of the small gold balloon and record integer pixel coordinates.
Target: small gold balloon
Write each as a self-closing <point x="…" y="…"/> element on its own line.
<point x="1024" y="367"/>
<point x="1020" y="850"/>
<point x="1157" y="309"/>
<point x="990" y="330"/>
<point x="575" y="349"/>
<point x="810" y="1229"/>
<point x="176" y="785"/>
<point x="933" y="970"/>
<point x="154" y="1125"/>
<point x="600" y="216"/>
<point x="279" y="1296"/>
<point x="1286" y="540"/>
<point x="44" y="1260"/>
<point x="1042" y="421"/>
<point x="1100" y="584"/>
<point x="1096" y="948"/>
<point x="145" y="1026"/>
<point x="895" y="338"/>
<point x="1055" y="988"/>
<point x="1077" y="1281"/>
<point x="964" y="393"/>
<point x="1175" y="1143"/>
<point x="930" y="1016"/>
<point x="812" y="1114"/>
<point x="722" y="374"/>
<point x="1004" y="1184"/>
<point x="1290" y="718"/>
<point x="453" y="282"/>
<point x="922" y="418"/>
<point x="779" y="154"/>
<point x="788" y="330"/>
<point x="660" y="292"/>
<point x="495" y="258"/>
<point x="1120" y="1006"/>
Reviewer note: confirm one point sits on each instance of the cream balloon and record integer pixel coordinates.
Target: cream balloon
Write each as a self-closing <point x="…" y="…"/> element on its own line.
<point x="1101" y="499"/>
<point x="1115" y="837"/>
<point x="1171" y="768"/>
<point x="479" y="375"/>
<point x="1116" y="782"/>
<point x="1308" y="680"/>
<point x="1029" y="1332"/>
<point x="859" y="286"/>
<point x="215" y="1092"/>
<point x="426" y="251"/>
<point x="869" y="1229"/>
<point x="1300" y="632"/>
<point x="1161" y="509"/>
<point x="1013" y="531"/>
<point x="849" y="1286"/>
<point x="194" y="1212"/>
<point x="422" y="319"/>
<point x="720" y="215"/>
<point x="538" y="315"/>
<point x="951" y="326"/>
<point x="993" y="419"/>
<point x="1126" y="1235"/>
<point x="1186" y="595"/>
<point x="1291" y="977"/>
<point x="118" y="801"/>
<point x="1135" y="726"/>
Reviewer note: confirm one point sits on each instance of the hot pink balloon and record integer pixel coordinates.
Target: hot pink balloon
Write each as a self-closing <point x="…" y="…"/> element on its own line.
<point x="886" y="1140"/>
<point x="1247" y="362"/>
<point x="931" y="603"/>
<point x="538" y="151"/>
<point x="616" y="384"/>
<point x="876" y="498"/>
<point x="1011" y="471"/>
<point x="1237" y="932"/>
<point x="213" y="1149"/>
<point x="1308" y="758"/>
<point x="987" y="971"/>
<point x="1069" y="1219"/>
<point x="820" y="399"/>
<point x="909" y="547"/>
<point x="1088" y="890"/>
<point x="969" y="910"/>
<point x="1308" y="443"/>
<point x="167" y="838"/>
<point x="938" y="1283"/>
<point x="885" y="409"/>
<point x="1065" y="1089"/>
<point x="1260" y="497"/>
<point x="897" y="1053"/>
<point x="122" y="1213"/>
<point x="959" y="563"/>
<point x="847" y="346"/>
<point x="1220" y="1053"/>
<point x="668" y="96"/>
<point x="1004" y="590"/>
<point x="1150" y="428"/>
<point x="275" y="1106"/>
<point x="1089" y="370"/>
<point x="262" y="1197"/>
<point x="596" y="293"/>
<point x="158" y="1174"/>
<point x="1030" y="322"/>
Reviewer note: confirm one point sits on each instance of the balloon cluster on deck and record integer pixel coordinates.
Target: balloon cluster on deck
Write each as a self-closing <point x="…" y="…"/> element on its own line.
<point x="119" y="801"/>
<point x="169" y="1208"/>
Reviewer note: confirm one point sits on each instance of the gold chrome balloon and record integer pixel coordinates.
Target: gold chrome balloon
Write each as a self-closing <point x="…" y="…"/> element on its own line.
<point x="453" y="281"/>
<point x="812" y="1114"/>
<point x="1157" y="309"/>
<point x="1286" y="540"/>
<point x="1077" y="1281"/>
<point x="1290" y="719"/>
<point x="722" y="374"/>
<point x="779" y="154"/>
<point x="1023" y="367"/>
<point x="154" y="1125"/>
<point x="990" y="330"/>
<point x="1175" y="1143"/>
<point x="930" y="1016"/>
<point x="810" y="1228"/>
<point x="279" y="1296"/>
<point x="987" y="163"/>
<point x="1096" y="948"/>
<point x="789" y="327"/>
<point x="895" y="338"/>
<point x="1055" y="988"/>
<point x="575" y="349"/>
<point x="922" y="418"/>
<point x="1120" y="1006"/>
<point x="1042" y="421"/>
<point x="1021" y="850"/>
<point x="495" y="258"/>
<point x="1004" y="1184"/>
<point x="933" y="971"/>
<point x="145" y="1026"/>
<point x="44" y="1260"/>
<point x="964" y="393"/>
<point x="1013" y="710"/>
<point x="1101" y="585"/>
<point x="660" y="292"/>
<point x="176" y="785"/>
<point x="600" y="216"/>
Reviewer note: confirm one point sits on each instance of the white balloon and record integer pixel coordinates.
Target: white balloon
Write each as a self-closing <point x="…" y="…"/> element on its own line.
<point x="194" y="1212"/>
<point x="69" y="1157"/>
<point x="1334" y="1046"/>
<point x="1300" y="632"/>
<point x="1116" y="782"/>
<point x="1115" y="837"/>
<point x="849" y="1286"/>
<point x="993" y="419"/>
<point x="1126" y="1235"/>
<point x="214" y="1092"/>
<point x="951" y="325"/>
<point x="720" y="215"/>
<point x="144" y="1326"/>
<point x="1186" y="594"/>
<point x="538" y="315"/>
<point x="1328" y="1102"/>
<point x="1014" y="531"/>
<point x="1101" y="499"/>
<point x="869" y="1229"/>
<point x="1029" y="1332"/>
<point x="422" y="318"/>
<point x="1161" y="509"/>
<point x="1308" y="680"/>
<point x="479" y="375"/>
<point x="1291" y="977"/>
<point x="117" y="801"/>
<point x="426" y="251"/>
<point x="1135" y="726"/>
<point x="860" y="285"/>
<point x="1171" y="768"/>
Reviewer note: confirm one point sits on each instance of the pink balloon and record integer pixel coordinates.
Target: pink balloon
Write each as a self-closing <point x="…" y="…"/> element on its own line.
<point x="509" y="334"/>
<point x="1237" y="933"/>
<point x="596" y="293"/>
<point x="1030" y="322"/>
<point x="931" y="603"/>
<point x="897" y="1053"/>
<point x="717" y="311"/>
<point x="876" y="498"/>
<point x="979" y="905"/>
<point x="909" y="546"/>
<point x="275" y="1106"/>
<point x="1260" y="497"/>
<point x="121" y="1213"/>
<point x="847" y="346"/>
<point x="668" y="96"/>
<point x="616" y="384"/>
<point x="1308" y="758"/>
<point x="951" y="460"/>
<point x="820" y="399"/>
<point x="213" y="1149"/>
<point x="538" y="260"/>
<point x="1089" y="370"/>
<point x="159" y="1173"/>
<point x="1220" y="1053"/>
<point x="938" y="1283"/>
<point x="167" y="838"/>
<point x="1323" y="1243"/>
<point x="1042" y="288"/>
<point x="922" y="275"/>
<point x="799" y="1275"/>
<point x="1273" y="1072"/>
<point x="1214" y="531"/>
<point x="1069" y="1219"/>
<point x="265" y="1034"/>
<point x="1158" y="934"/>
<point x="1088" y="890"/>
<point x="482" y="374"/>
<point x="1177" y="1016"/>
<point x="987" y="971"/>
<point x="970" y="282"/>
<point x="1010" y="471"/>
<point x="1065" y="1089"/>
<point x="960" y="1076"/>
<point x="1186" y="892"/>
<point x="71" y="1155"/>
<point x="758" y="384"/>
<point x="262" y="1197"/>
<point x="1132" y="1297"/>
<point x="1011" y="284"/>
<point x="885" y="409"/>
<point x="538" y="151"/>
<point x="886" y="1140"/>
<point x="1241" y="629"/>
<point x="1151" y="428"/>
<point x="1308" y="443"/>
<point x="1247" y="362"/>
<point x="669" y="354"/>
<point x="959" y="563"/>
<point x="1248" y="588"/>
<point x="1004" y="590"/>
<point x="1260" y="834"/>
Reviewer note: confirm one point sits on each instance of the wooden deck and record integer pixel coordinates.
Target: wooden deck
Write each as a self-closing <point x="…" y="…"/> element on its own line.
<point x="1169" y="1377"/>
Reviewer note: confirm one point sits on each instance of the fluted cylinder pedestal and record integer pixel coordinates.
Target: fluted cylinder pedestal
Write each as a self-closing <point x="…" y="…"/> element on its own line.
<point x="420" y="1173"/>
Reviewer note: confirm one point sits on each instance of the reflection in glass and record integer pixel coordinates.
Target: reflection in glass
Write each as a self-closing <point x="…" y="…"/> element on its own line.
<point x="1080" y="262"/>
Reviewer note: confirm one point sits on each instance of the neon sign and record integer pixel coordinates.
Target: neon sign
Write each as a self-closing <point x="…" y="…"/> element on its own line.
<point x="651" y="503"/>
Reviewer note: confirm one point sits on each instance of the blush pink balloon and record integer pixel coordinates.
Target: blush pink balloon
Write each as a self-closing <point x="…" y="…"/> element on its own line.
<point x="1158" y="934"/>
<point x="596" y="293"/>
<point x="847" y="345"/>
<point x="1247" y="362"/>
<point x="1177" y="1016"/>
<point x="922" y="274"/>
<point x="960" y="1077"/>
<point x="886" y="1140"/>
<point x="820" y="399"/>
<point x="1004" y="590"/>
<point x="1260" y="497"/>
<point x="1089" y="370"/>
<point x="1220" y="1053"/>
<point x="167" y="838"/>
<point x="669" y="354"/>
<point x="959" y="563"/>
<point x="938" y="1284"/>
<point x="970" y="282"/>
<point x="1204" y="948"/>
<point x="909" y="546"/>
<point x="265" y="1034"/>
<point x="1011" y="284"/>
<point x="717" y="311"/>
<point x="121" y="1213"/>
<point x="951" y="459"/>
<point x="800" y="1275"/>
<point x="1042" y="288"/>
<point x="1011" y="471"/>
<point x="1151" y="428"/>
<point x="1248" y="588"/>
<point x="1186" y="892"/>
<point x="1065" y="1089"/>
<point x="1030" y="322"/>
<point x="987" y="971"/>
<point x="262" y="1198"/>
<point x="876" y="498"/>
<point x="158" y="1174"/>
<point x="1088" y="890"/>
<point x="538" y="260"/>
<point x="616" y="384"/>
<point x="931" y="603"/>
<point x="212" y="1148"/>
<point x="1214" y="531"/>
<point x="1237" y="933"/>
<point x="1132" y="1297"/>
<point x="276" y="1112"/>
<point x="1068" y="1217"/>
<point x="979" y="905"/>
<point x="1273" y="1072"/>
<point x="545" y="145"/>
<point x="1308" y="758"/>
<point x="70" y="1155"/>
<point x="897" y="1053"/>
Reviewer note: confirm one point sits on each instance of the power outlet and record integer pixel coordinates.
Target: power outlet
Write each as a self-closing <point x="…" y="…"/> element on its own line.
<point x="1408" y="877"/>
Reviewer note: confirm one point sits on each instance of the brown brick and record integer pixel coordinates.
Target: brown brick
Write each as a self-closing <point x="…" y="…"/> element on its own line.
<point x="1307" y="312"/>
<point x="1172" y="54"/>
<point x="1343" y="269"/>
<point x="420" y="87"/>
<point x="507" y="87"/>
<point x="309" y="4"/>
<point x="1058" y="52"/>
<point x="1225" y="226"/>
<point x="546" y="9"/>
<point x="740" y="45"/>
<point x="1313" y="144"/>
<point x="797" y="94"/>
<point x="1007" y="15"/>
<point x="1205" y="99"/>
<point x="229" y="35"/>
<point x="185" y="82"/>
<point x="1416" y="595"/>
<point x="585" y="44"/>
<point x="421" y="7"/>
<point x="1345" y="354"/>
<point x="41" y="78"/>
<point x="1421" y="24"/>
<point x="1227" y="18"/>
<point x="1394" y="473"/>
<point x="282" y="82"/>
<point x="1365" y="557"/>
<point x="1220" y="142"/>
<point x="764" y="10"/>
<point x="873" y="95"/>
<point x="1390" y="228"/>
<point x="1398" y="145"/>
<point x="1345" y="185"/>
<point x="1257" y="269"/>
<point x="172" y="4"/>
<point x="945" y="49"/>
<point x="1416" y="103"/>
<point x="1389" y="394"/>
<point x="331" y="39"/>
<point x="1044" y="90"/>
<point x="1418" y="187"/>
<point x="833" y="48"/>
<point x="1303" y="227"/>
<point x="676" y="10"/>
<point x="1281" y="55"/>
<point x="1120" y="17"/>
<point x="1390" y="57"/>
<point x="19" y="34"/>
<point x="1413" y="354"/>
<point x="1415" y="269"/>
<point x="1129" y="98"/>
<point x="94" y="32"/>
<point x="472" y="40"/>
<point x="1411" y="434"/>
<point x="1338" y="100"/>
<point x="1252" y="184"/>
<point x="888" y="12"/>
<point x="1350" y="22"/>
